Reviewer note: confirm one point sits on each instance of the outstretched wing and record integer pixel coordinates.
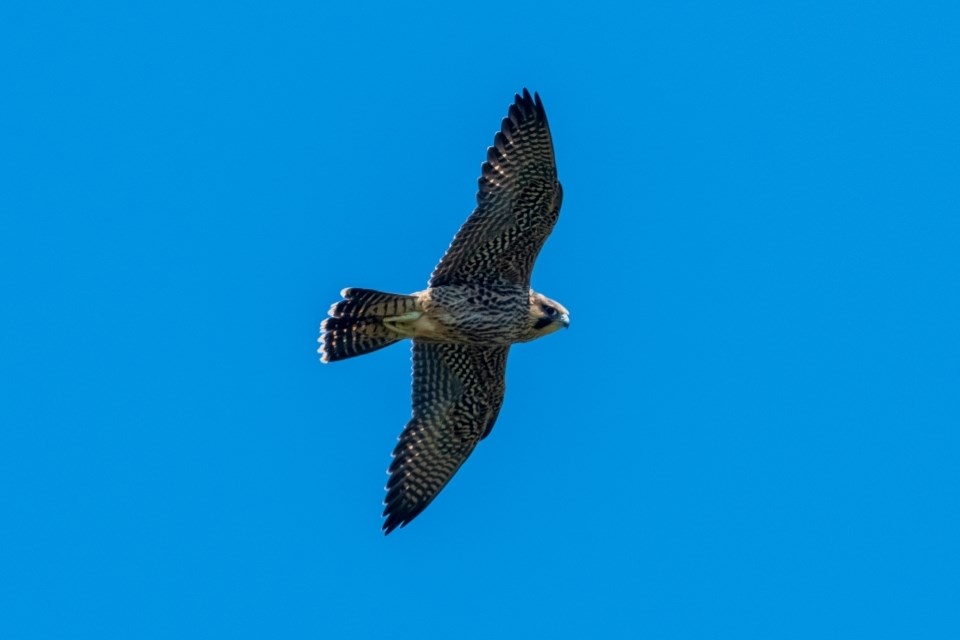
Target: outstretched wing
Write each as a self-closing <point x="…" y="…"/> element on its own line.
<point x="457" y="393"/>
<point x="517" y="204"/>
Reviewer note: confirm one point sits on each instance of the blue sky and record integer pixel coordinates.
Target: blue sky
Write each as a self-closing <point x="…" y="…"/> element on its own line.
<point x="749" y="431"/>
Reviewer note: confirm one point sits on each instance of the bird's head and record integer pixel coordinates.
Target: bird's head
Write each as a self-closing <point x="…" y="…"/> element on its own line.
<point x="546" y="316"/>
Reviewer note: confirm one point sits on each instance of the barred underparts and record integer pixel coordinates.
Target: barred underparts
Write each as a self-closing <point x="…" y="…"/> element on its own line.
<point x="477" y="303"/>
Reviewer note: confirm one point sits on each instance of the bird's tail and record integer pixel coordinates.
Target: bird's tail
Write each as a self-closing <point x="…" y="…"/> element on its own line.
<point x="355" y="325"/>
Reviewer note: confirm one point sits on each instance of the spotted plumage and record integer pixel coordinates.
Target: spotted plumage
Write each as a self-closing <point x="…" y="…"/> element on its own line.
<point x="478" y="303"/>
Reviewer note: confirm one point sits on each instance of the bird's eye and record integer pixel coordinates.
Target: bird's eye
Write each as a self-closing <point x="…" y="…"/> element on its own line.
<point x="550" y="311"/>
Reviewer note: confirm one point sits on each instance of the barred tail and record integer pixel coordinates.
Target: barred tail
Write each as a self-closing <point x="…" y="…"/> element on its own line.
<point x="355" y="325"/>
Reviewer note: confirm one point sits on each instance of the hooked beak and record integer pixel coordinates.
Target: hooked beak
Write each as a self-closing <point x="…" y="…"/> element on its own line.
<point x="565" y="321"/>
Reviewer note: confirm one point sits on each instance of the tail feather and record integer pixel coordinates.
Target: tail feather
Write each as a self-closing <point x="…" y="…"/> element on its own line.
<point x="355" y="325"/>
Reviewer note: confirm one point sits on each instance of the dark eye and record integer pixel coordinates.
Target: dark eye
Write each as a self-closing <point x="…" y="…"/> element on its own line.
<point x="550" y="311"/>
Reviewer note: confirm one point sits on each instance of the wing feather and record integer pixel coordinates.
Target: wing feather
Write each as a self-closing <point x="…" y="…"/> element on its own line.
<point x="518" y="203"/>
<point x="457" y="393"/>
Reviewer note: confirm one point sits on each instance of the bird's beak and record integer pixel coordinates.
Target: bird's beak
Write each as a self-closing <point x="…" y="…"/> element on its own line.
<point x="565" y="321"/>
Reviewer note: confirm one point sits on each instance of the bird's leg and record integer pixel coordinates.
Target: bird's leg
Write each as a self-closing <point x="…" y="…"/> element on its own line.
<point x="402" y="323"/>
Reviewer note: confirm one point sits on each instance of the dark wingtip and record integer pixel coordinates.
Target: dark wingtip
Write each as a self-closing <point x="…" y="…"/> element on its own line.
<point x="523" y="100"/>
<point x="396" y="517"/>
<point x="391" y="524"/>
<point x="538" y="103"/>
<point x="391" y="503"/>
<point x="530" y="106"/>
<point x="399" y="509"/>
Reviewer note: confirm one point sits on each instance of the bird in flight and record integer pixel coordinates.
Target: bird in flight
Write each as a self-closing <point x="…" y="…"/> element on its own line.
<point x="477" y="303"/>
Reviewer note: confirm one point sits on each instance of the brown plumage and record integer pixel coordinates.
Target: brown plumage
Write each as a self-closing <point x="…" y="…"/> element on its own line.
<point x="478" y="302"/>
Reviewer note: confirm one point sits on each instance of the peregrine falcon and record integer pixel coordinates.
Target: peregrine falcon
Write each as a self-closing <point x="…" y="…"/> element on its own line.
<point x="477" y="303"/>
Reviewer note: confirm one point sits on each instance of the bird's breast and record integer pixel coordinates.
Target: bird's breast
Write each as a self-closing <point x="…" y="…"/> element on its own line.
<point x="473" y="314"/>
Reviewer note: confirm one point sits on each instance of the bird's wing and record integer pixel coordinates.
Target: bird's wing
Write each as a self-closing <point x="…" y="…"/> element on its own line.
<point x="457" y="393"/>
<point x="518" y="203"/>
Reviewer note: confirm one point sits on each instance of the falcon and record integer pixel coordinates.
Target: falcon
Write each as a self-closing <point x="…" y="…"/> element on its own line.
<point x="477" y="303"/>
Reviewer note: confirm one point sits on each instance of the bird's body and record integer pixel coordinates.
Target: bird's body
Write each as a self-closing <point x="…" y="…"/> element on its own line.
<point x="477" y="314"/>
<point x="478" y="303"/>
<point x="469" y="314"/>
